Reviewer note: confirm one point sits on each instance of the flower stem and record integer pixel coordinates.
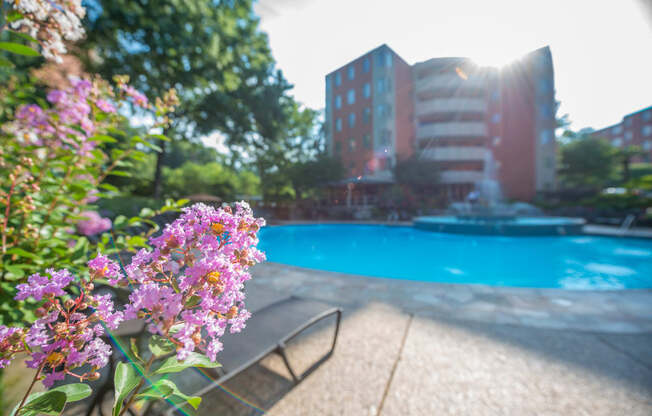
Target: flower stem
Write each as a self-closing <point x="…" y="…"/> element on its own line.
<point x="31" y="386"/>
<point x="138" y="387"/>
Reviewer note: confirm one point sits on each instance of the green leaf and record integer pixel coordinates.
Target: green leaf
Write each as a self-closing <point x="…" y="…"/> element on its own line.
<point x="18" y="49"/>
<point x="6" y="63"/>
<point x="22" y="253"/>
<point x="125" y="380"/>
<point x="119" y="173"/>
<point x="156" y="391"/>
<point x="16" y="271"/>
<point x="172" y="365"/>
<point x="146" y="212"/>
<point x="46" y="403"/>
<point x="160" y="137"/>
<point x="75" y="391"/>
<point x="164" y="388"/>
<point x="12" y="16"/>
<point x="134" y="347"/>
<point x="23" y="35"/>
<point x="103" y="138"/>
<point x="160" y="346"/>
<point x="193" y="301"/>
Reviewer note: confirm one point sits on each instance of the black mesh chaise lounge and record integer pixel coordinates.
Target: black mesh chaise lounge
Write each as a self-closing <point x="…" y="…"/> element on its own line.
<point x="274" y="323"/>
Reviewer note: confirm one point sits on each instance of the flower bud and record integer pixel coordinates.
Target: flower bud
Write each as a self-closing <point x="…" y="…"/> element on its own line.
<point x="40" y="312"/>
<point x="68" y="304"/>
<point x="93" y="376"/>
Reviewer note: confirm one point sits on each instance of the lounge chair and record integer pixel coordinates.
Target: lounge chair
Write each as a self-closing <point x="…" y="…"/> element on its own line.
<point x="272" y="325"/>
<point x="275" y="321"/>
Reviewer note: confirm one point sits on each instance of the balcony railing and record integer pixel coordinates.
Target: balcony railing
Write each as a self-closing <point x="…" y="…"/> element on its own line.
<point x="450" y="105"/>
<point x="461" y="176"/>
<point x="448" y="81"/>
<point x="454" y="153"/>
<point x="451" y="129"/>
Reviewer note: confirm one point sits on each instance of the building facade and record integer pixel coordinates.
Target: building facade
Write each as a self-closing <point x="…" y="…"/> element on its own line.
<point x="635" y="129"/>
<point x="477" y="123"/>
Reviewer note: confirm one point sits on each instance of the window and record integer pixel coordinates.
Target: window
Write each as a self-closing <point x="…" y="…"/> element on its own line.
<point x="546" y="111"/>
<point x="496" y="141"/>
<point x="366" y="141"/>
<point x="628" y="122"/>
<point x="380" y="86"/>
<point x="338" y="79"/>
<point x="495" y="118"/>
<point x="616" y="130"/>
<point x="338" y="124"/>
<point x="617" y="142"/>
<point x="647" y="116"/>
<point x="647" y="130"/>
<point x="380" y="58"/>
<point x="385" y="137"/>
<point x="647" y="145"/>
<point x="350" y="97"/>
<point x="495" y="95"/>
<point x="366" y="90"/>
<point x="384" y="110"/>
<point x="352" y="120"/>
<point x="338" y="101"/>
<point x="628" y="135"/>
<point x="550" y="163"/>
<point x="351" y="72"/>
<point x="366" y="115"/>
<point x="546" y="136"/>
<point x="338" y="148"/>
<point x="351" y="144"/>
<point x="365" y="65"/>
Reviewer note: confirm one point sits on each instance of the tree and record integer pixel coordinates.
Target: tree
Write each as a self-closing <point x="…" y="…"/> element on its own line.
<point x="308" y="176"/>
<point x="588" y="162"/>
<point x="212" y="52"/>
<point x="417" y="173"/>
<point x="626" y="154"/>
<point x="210" y="178"/>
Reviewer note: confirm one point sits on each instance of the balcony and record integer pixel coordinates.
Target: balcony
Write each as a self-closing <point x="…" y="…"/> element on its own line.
<point x="452" y="129"/>
<point x="461" y="176"/>
<point x="451" y="105"/>
<point x="456" y="153"/>
<point x="448" y="81"/>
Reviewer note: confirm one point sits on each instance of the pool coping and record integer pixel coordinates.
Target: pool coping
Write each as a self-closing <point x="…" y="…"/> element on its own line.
<point x="614" y="311"/>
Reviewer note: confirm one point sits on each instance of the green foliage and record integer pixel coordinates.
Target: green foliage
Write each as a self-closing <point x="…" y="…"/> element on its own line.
<point x="53" y="401"/>
<point x="306" y="177"/>
<point x="172" y="365"/>
<point x="211" y="178"/>
<point x="126" y="379"/>
<point x="417" y="173"/>
<point x="588" y="163"/>
<point x="128" y="206"/>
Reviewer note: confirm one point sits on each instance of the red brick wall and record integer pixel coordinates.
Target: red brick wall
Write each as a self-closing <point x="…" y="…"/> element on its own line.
<point x="360" y="156"/>
<point x="516" y="149"/>
<point x="404" y="103"/>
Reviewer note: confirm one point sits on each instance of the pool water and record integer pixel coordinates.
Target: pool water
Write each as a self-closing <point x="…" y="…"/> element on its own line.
<point x="572" y="262"/>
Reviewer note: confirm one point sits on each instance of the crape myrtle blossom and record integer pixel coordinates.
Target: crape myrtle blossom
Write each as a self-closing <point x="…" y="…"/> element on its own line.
<point x="92" y="223"/>
<point x="67" y="333"/>
<point x="193" y="278"/>
<point x="50" y="22"/>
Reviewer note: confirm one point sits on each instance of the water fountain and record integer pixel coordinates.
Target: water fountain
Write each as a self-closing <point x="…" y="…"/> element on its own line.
<point x="486" y="212"/>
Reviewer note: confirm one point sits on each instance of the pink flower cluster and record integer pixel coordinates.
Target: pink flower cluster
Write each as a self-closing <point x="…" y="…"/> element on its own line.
<point x="93" y="224"/>
<point x="59" y="126"/>
<point x="67" y="333"/>
<point x="193" y="278"/>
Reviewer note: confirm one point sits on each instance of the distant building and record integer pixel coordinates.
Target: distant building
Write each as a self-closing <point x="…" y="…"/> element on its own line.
<point x="479" y="123"/>
<point x="634" y="130"/>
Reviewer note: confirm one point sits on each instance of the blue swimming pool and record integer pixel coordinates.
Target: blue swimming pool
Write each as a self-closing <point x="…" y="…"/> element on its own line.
<point x="571" y="262"/>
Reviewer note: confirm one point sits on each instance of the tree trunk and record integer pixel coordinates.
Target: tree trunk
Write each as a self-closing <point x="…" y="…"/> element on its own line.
<point x="158" y="179"/>
<point x="626" y="170"/>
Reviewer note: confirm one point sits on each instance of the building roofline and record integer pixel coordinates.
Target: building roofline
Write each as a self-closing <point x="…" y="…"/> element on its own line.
<point x="384" y="45"/>
<point x="623" y="119"/>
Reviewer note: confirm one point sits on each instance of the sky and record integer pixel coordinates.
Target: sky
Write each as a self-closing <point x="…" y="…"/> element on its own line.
<point x="601" y="49"/>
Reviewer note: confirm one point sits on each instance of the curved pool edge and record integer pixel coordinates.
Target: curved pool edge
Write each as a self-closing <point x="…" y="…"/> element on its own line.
<point x="613" y="311"/>
<point x="553" y="226"/>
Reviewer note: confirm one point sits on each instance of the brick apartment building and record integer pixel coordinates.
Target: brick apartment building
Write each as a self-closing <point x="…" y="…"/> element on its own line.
<point x="634" y="130"/>
<point x="476" y="122"/>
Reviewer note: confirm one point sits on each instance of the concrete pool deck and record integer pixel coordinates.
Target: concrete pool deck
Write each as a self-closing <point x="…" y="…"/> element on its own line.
<point x="412" y="348"/>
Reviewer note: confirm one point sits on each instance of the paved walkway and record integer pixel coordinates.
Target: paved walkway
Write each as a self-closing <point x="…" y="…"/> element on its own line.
<point x="409" y="349"/>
